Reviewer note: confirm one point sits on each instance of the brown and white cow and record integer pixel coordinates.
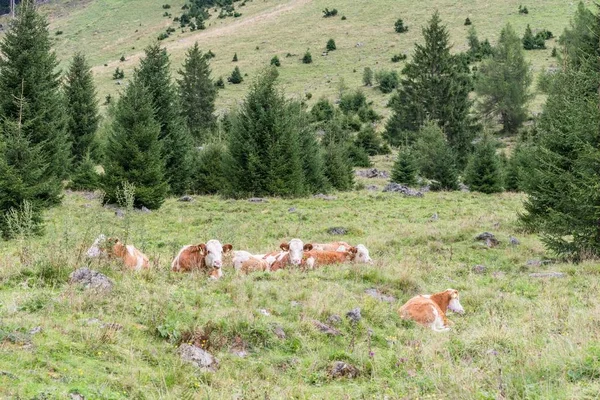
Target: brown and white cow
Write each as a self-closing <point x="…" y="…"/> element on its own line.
<point x="430" y="310"/>
<point x="132" y="257"/>
<point x="246" y="262"/>
<point x="295" y="250"/>
<point x="316" y="258"/>
<point x="361" y="254"/>
<point x="204" y="256"/>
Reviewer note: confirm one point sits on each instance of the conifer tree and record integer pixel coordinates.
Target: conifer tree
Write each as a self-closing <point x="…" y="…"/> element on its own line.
<point x="330" y="45"/>
<point x="405" y="168"/>
<point x="265" y="144"/>
<point x="209" y="174"/>
<point x="435" y="158"/>
<point x="28" y="70"/>
<point x="85" y="177"/>
<point x="338" y="169"/>
<point x="154" y="74"/>
<point x="368" y="76"/>
<point x="197" y="93"/>
<point x="236" y="76"/>
<point x="134" y="152"/>
<point x="580" y="40"/>
<point x="504" y="81"/>
<point x="484" y="171"/>
<point x="82" y="109"/>
<point x="24" y="174"/>
<point x="436" y="85"/>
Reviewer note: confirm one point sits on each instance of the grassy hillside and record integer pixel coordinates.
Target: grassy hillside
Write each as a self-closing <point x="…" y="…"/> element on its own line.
<point x="521" y="337"/>
<point x="107" y="29"/>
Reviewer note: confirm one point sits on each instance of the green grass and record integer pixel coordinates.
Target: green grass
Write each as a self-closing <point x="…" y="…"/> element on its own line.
<point x="106" y="29"/>
<point x="519" y="338"/>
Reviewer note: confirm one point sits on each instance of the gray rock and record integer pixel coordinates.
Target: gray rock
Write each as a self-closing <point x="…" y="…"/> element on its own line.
<point x="373" y="173"/>
<point x="354" y="315"/>
<point x="406" y="191"/>
<point x="278" y="331"/>
<point x="334" y="319"/>
<point x="479" y="269"/>
<point x="326" y="328"/>
<point x="264" y="312"/>
<point x="120" y="213"/>
<point x="35" y="330"/>
<point x="340" y="369"/>
<point x="376" y="294"/>
<point x="324" y="197"/>
<point x="434" y="217"/>
<point x="199" y="357"/>
<point x="186" y="198"/>
<point x="489" y="239"/>
<point x="373" y="188"/>
<point x="76" y="396"/>
<point x="514" y="241"/>
<point x="91" y="279"/>
<point x="498" y="274"/>
<point x="295" y="303"/>
<point x="547" y="275"/>
<point x="463" y="188"/>
<point x="257" y="200"/>
<point x="145" y="210"/>
<point x="533" y="263"/>
<point x="292" y="209"/>
<point x="338" y="230"/>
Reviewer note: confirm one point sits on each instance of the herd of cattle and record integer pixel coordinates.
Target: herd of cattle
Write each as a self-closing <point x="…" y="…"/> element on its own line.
<point x="428" y="310"/>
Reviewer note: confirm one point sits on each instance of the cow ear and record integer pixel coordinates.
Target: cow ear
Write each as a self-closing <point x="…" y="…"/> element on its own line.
<point x="202" y="246"/>
<point x="284" y="246"/>
<point x="227" y="247"/>
<point x="353" y="250"/>
<point x="308" y="247"/>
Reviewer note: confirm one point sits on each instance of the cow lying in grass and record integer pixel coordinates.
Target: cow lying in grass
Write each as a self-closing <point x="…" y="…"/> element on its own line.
<point x="132" y="257"/>
<point x="246" y="262"/>
<point x="430" y="310"/>
<point x="291" y="253"/>
<point x="207" y="257"/>
<point x="316" y="258"/>
<point x="361" y="255"/>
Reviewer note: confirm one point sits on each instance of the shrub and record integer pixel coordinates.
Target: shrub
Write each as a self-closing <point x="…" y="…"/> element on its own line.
<point x="368" y="76"/>
<point x="553" y="54"/>
<point x="59" y="33"/>
<point x="85" y="176"/>
<point x="531" y="42"/>
<point x="523" y="10"/>
<point x="330" y="45"/>
<point x="399" y="26"/>
<point x="352" y="102"/>
<point x="307" y="59"/>
<point x="387" y="80"/>
<point x="236" y="76"/>
<point x="209" y="176"/>
<point x="369" y="140"/>
<point x="220" y="83"/>
<point x="275" y="61"/>
<point x="166" y="6"/>
<point x="163" y="36"/>
<point x="359" y="157"/>
<point x="119" y="73"/>
<point x="399" y="57"/>
<point x="210" y="54"/>
<point x="235" y="58"/>
<point x="343" y="17"/>
<point x="484" y="171"/>
<point x="467" y="21"/>
<point x="122" y="58"/>
<point x="329" y="13"/>
<point x="404" y="170"/>
<point x="435" y="158"/>
<point x="107" y="99"/>
<point x="323" y="110"/>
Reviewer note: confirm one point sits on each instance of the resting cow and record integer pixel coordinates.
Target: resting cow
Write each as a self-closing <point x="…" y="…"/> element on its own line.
<point x="246" y="262"/>
<point x="315" y="258"/>
<point x="430" y="310"/>
<point x="207" y="257"/>
<point x="362" y="253"/>
<point x="132" y="257"/>
<point x="291" y="253"/>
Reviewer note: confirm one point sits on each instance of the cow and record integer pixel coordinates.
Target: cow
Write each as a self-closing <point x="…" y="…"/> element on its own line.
<point x="247" y="262"/>
<point x="315" y="258"/>
<point x="295" y="250"/>
<point x="132" y="257"/>
<point x="362" y="253"/>
<point x="204" y="256"/>
<point x="430" y="310"/>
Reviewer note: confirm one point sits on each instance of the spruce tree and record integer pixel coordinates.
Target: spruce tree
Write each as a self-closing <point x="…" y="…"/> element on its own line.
<point x="504" y="81"/>
<point x="484" y="171"/>
<point x="24" y="175"/>
<point x="338" y="169"/>
<point x="236" y="76"/>
<point x="405" y="168"/>
<point x="330" y="45"/>
<point x="82" y="109"/>
<point x="85" y="177"/>
<point x="265" y="144"/>
<point x="134" y="150"/>
<point x="368" y="77"/>
<point x="29" y="70"/>
<point x="155" y="76"/>
<point x="580" y="40"/>
<point x="209" y="173"/>
<point x="197" y="93"/>
<point x="436" y="85"/>
<point x="435" y="158"/>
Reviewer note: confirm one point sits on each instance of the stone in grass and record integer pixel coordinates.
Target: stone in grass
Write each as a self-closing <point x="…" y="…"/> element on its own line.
<point x="550" y="274"/>
<point x="489" y="239"/>
<point x="257" y="200"/>
<point x="376" y="294"/>
<point x="198" y="357"/>
<point x="186" y="198"/>
<point x="91" y="279"/>
<point x="337" y="230"/>
<point x="354" y="315"/>
<point x="341" y="369"/>
<point x="334" y="319"/>
<point x="326" y="329"/>
<point x="479" y="269"/>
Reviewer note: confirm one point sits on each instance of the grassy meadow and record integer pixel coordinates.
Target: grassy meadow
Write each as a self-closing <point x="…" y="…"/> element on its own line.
<point x="105" y="30"/>
<point x="520" y="338"/>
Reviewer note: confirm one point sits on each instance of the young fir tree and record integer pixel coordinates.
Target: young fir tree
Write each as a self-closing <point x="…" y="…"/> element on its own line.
<point x="197" y="93"/>
<point x="435" y="158"/>
<point x="82" y="109"/>
<point x="580" y="40"/>
<point x="503" y="82"/>
<point x="236" y="76"/>
<point x="368" y="77"/>
<point x="330" y="45"/>
<point x="338" y="168"/>
<point x="484" y="171"/>
<point x="265" y="144"/>
<point x="133" y="152"/>
<point x="154" y="74"/>
<point x="436" y="85"/>
<point x="85" y="177"/>
<point x="209" y="174"/>
<point x="24" y="175"/>
<point x="28" y="69"/>
<point x="405" y="168"/>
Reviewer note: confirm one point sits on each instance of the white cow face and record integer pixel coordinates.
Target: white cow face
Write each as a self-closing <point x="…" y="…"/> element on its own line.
<point x="96" y="249"/>
<point x="213" y="253"/>
<point x="362" y="255"/>
<point x="296" y="249"/>
<point x="454" y="304"/>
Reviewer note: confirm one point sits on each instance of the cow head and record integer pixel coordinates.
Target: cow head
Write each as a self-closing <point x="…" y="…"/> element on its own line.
<point x="454" y="304"/>
<point x="362" y="254"/>
<point x="116" y="247"/>
<point x="213" y="253"/>
<point x="296" y="249"/>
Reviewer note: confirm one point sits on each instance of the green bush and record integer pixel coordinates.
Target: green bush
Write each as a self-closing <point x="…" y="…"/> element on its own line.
<point x="307" y="59"/>
<point x="387" y="80"/>
<point x="236" y="76"/>
<point x="399" y="26"/>
<point x="275" y="61"/>
<point x="329" y="13"/>
<point x="330" y="45"/>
